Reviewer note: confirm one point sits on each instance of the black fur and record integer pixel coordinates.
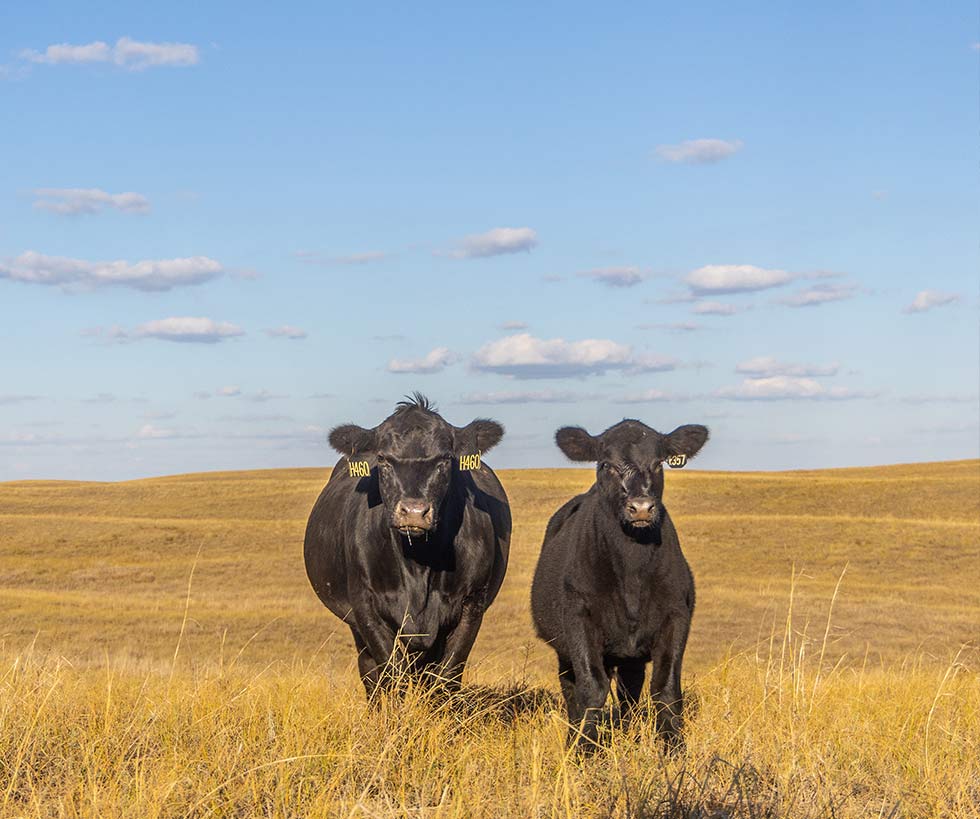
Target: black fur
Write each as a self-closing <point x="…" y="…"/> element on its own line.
<point x="411" y="555"/>
<point x="612" y="590"/>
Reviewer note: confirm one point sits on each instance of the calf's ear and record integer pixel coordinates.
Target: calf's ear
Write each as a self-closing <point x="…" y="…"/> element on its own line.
<point x="577" y="444"/>
<point x="480" y="435"/>
<point x="686" y="440"/>
<point x="350" y="439"/>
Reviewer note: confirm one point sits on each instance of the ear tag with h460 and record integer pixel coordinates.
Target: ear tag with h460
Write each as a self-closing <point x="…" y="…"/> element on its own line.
<point x="469" y="463"/>
<point x="676" y="461"/>
<point x="359" y="469"/>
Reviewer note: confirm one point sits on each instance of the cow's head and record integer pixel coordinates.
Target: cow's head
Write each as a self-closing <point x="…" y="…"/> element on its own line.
<point x="629" y="472"/>
<point x="417" y="453"/>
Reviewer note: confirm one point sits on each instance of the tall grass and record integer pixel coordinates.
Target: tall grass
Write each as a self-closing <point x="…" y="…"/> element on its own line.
<point x="771" y="732"/>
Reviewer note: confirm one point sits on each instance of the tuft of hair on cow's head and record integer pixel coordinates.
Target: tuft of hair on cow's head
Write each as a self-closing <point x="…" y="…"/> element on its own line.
<point x="629" y="458"/>
<point x="414" y="454"/>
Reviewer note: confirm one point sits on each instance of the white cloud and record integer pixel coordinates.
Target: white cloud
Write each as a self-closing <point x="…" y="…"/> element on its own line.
<point x="768" y="366"/>
<point x="524" y="356"/>
<point x="313" y="257"/>
<point x="149" y="431"/>
<point x="496" y="242"/>
<point x="264" y="395"/>
<point x="674" y="326"/>
<point x="786" y="387"/>
<point x="286" y="331"/>
<point x="526" y="397"/>
<point x="940" y="398"/>
<point x="188" y="329"/>
<point x="9" y="398"/>
<point x="714" y="308"/>
<point x="651" y="396"/>
<point x="615" y="276"/>
<point x="77" y="201"/>
<point x="927" y="299"/>
<point x="126" y="53"/>
<point x="228" y="392"/>
<point x="434" y="361"/>
<point x="77" y="274"/>
<point x="717" y="279"/>
<point x="65" y="53"/>
<point x="820" y="294"/>
<point x="514" y="325"/>
<point x="699" y="151"/>
<point x="646" y="363"/>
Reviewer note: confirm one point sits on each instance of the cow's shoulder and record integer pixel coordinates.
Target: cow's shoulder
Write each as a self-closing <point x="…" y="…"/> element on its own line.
<point x="567" y="515"/>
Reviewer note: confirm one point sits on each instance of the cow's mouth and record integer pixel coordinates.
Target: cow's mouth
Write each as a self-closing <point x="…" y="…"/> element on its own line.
<point x="641" y="524"/>
<point x="412" y="531"/>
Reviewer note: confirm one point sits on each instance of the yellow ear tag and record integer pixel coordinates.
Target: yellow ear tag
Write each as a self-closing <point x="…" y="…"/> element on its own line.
<point x="468" y="463"/>
<point x="359" y="469"/>
<point x="677" y="461"/>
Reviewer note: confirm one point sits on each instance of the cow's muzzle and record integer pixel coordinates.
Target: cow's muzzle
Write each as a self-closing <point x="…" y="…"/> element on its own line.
<point x="641" y="512"/>
<point x="412" y="516"/>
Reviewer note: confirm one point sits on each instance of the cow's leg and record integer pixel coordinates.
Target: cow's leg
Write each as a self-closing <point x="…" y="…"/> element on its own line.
<point x="459" y="643"/>
<point x="665" y="681"/>
<point x="369" y="668"/>
<point x="591" y="690"/>
<point x="379" y="640"/>
<point x="566" y="678"/>
<point x="629" y="686"/>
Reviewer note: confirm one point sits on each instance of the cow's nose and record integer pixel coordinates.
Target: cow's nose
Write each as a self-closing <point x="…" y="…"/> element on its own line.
<point x="640" y="509"/>
<point x="413" y="512"/>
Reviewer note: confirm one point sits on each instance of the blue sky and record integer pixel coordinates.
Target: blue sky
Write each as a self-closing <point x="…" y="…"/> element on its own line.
<point x="225" y="229"/>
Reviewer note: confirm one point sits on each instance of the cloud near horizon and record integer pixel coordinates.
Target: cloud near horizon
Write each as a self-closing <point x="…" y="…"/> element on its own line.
<point x="699" y="151"/>
<point x="436" y="360"/>
<point x="150" y="275"/>
<point x="495" y="242"/>
<point x="127" y="53"/>
<point x="183" y="329"/>
<point x="524" y="356"/>
<point x="527" y="397"/>
<point x="928" y="299"/>
<point x="768" y="366"/>
<point x="88" y="201"/>
<point x="723" y="279"/>
<point x="615" y="276"/>
<point x="787" y="388"/>
<point x="820" y="294"/>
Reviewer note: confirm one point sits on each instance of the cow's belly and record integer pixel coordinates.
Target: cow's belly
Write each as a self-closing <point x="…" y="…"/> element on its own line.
<point x="420" y="618"/>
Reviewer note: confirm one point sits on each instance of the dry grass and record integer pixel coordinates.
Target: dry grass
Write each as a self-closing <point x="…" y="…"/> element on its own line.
<point x="873" y="711"/>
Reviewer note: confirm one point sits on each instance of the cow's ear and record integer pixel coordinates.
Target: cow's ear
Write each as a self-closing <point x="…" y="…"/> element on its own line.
<point x="350" y="439"/>
<point x="577" y="444"/>
<point x="686" y="440"/>
<point x="480" y="435"/>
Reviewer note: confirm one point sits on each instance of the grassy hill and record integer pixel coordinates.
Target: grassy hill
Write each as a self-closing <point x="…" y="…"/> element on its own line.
<point x="160" y="641"/>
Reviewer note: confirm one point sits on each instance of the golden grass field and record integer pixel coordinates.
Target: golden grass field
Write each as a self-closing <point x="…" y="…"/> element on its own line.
<point x="162" y="655"/>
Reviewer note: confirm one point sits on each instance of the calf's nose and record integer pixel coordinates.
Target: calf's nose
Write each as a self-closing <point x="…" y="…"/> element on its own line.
<point x="640" y="509"/>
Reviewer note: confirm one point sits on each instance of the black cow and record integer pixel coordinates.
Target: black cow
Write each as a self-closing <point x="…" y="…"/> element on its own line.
<point x="612" y="590"/>
<point x="408" y="542"/>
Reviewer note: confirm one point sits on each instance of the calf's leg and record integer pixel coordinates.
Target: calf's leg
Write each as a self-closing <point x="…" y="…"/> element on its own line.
<point x="629" y="686"/>
<point x="665" y="681"/>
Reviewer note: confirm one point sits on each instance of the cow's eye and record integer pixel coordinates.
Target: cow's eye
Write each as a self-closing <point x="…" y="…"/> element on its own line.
<point x="382" y="460"/>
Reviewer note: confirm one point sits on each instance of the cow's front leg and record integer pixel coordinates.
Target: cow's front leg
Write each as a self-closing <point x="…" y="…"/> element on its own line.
<point x="591" y="689"/>
<point x="459" y="643"/>
<point x="665" y="681"/>
<point x="378" y="660"/>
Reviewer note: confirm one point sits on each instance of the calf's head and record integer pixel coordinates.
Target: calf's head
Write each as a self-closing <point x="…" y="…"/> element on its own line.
<point x="629" y="461"/>
<point x="417" y="454"/>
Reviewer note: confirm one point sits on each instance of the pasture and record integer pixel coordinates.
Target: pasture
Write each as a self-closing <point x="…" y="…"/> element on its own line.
<point x="162" y="654"/>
